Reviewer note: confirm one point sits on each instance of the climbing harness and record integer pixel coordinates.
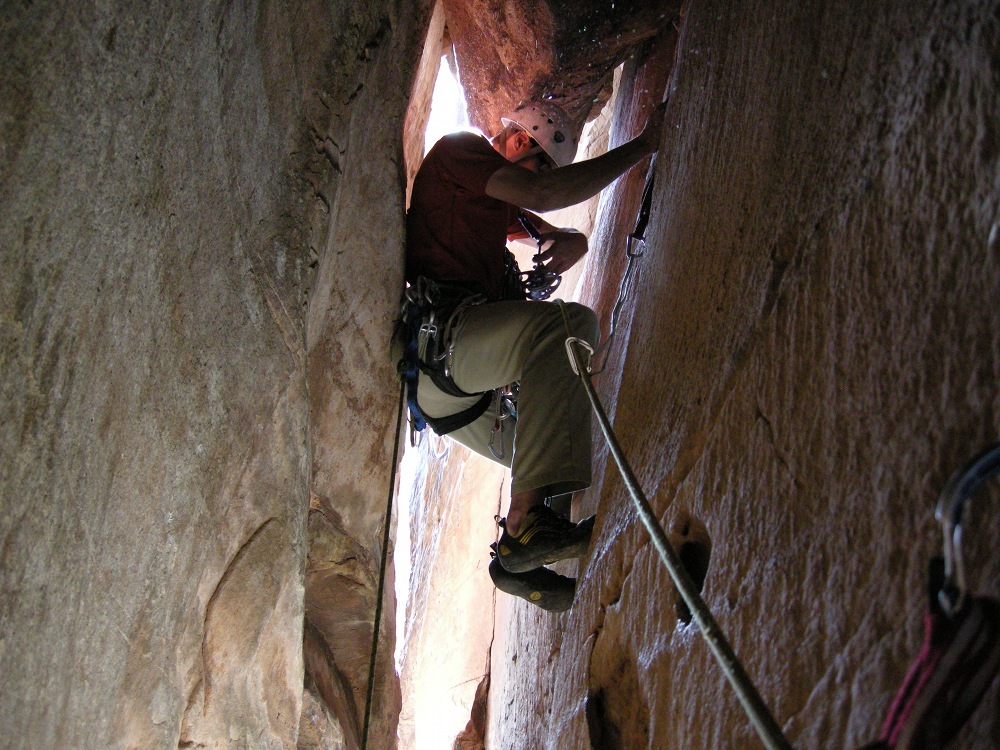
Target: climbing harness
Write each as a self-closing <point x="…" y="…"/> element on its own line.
<point x="539" y="283"/>
<point x="635" y="248"/>
<point x="960" y="654"/>
<point x="767" y="728"/>
<point x="427" y="317"/>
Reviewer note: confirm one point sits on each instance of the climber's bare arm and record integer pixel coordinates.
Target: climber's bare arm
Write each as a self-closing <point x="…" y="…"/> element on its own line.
<point x="566" y="186"/>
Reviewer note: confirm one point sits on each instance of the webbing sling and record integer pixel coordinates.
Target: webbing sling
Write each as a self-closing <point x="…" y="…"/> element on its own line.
<point x="960" y="655"/>
<point x="444" y="425"/>
<point x="956" y="664"/>
<point x="409" y="370"/>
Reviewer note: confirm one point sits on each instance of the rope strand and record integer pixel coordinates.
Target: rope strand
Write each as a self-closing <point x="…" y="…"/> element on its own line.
<point x="381" y="573"/>
<point x="754" y="706"/>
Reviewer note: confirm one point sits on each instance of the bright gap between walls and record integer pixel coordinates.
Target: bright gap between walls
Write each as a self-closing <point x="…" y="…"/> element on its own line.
<point x="448" y="114"/>
<point x="426" y="692"/>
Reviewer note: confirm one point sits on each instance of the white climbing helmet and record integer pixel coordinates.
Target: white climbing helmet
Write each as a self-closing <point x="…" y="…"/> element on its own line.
<point x="550" y="127"/>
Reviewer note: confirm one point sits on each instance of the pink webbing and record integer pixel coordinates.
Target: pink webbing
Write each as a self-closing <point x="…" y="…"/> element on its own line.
<point x="957" y="662"/>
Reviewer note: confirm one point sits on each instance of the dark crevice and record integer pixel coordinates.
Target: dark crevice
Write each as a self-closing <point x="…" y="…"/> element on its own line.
<point x="604" y="734"/>
<point x="694" y="557"/>
<point x="690" y="539"/>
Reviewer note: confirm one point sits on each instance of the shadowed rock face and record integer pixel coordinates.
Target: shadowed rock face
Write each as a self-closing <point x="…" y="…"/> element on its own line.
<point x="805" y="359"/>
<point x="193" y="346"/>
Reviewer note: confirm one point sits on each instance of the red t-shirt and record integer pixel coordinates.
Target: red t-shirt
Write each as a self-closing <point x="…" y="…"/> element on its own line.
<point x="455" y="232"/>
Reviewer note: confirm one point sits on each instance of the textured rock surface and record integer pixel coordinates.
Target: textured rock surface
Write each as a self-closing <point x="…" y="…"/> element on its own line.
<point x="811" y="354"/>
<point x="154" y="446"/>
<point x="196" y="414"/>
<point x="450" y="609"/>
<point x="823" y="240"/>
<point x="564" y="51"/>
<point x="167" y="401"/>
<point x="352" y="387"/>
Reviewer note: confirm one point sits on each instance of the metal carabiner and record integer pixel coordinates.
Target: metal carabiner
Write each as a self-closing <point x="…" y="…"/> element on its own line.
<point x="629" y="245"/>
<point x="428" y="331"/>
<point x="950" y="513"/>
<point x="573" y="354"/>
<point x="497" y="430"/>
<point x="539" y="283"/>
<point x="506" y="408"/>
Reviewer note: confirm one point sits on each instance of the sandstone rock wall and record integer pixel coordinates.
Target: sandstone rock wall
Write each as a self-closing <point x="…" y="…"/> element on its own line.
<point x="200" y="246"/>
<point x="184" y="276"/>
<point x="353" y="395"/>
<point x="812" y="351"/>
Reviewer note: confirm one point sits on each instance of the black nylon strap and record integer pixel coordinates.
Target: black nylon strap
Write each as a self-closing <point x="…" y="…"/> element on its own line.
<point x="444" y="425"/>
<point x="443" y="382"/>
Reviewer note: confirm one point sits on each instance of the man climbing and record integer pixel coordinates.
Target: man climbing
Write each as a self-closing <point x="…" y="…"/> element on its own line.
<point x="476" y="332"/>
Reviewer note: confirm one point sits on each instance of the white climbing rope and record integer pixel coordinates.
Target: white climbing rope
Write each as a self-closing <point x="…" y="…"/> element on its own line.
<point x="767" y="728"/>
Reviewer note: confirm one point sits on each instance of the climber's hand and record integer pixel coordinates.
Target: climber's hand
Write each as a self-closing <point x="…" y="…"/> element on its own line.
<point x="562" y="249"/>
<point x="653" y="131"/>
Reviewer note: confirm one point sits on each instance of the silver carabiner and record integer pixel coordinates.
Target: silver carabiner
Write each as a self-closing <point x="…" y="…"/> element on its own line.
<point x="505" y="410"/>
<point x="950" y="513"/>
<point x="573" y="354"/>
<point x="632" y="253"/>
<point x="428" y="331"/>
<point x="497" y="430"/>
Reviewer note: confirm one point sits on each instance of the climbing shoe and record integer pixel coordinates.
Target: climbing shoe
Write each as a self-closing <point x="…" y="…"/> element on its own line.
<point x="542" y="587"/>
<point x="544" y="537"/>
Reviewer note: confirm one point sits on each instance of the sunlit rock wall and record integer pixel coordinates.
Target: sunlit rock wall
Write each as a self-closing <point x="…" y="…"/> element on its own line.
<point x="200" y="228"/>
<point x="353" y="395"/>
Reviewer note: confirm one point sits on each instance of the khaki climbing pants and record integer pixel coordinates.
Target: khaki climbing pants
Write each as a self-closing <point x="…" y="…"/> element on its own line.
<point x="498" y="343"/>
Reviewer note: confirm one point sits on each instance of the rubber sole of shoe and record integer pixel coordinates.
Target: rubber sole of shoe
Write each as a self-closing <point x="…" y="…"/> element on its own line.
<point x="542" y="587"/>
<point x="514" y="560"/>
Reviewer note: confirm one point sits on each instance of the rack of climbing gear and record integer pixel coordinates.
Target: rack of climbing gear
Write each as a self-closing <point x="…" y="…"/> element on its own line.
<point x="635" y="248"/>
<point x="764" y="723"/>
<point x="539" y="283"/>
<point x="960" y="655"/>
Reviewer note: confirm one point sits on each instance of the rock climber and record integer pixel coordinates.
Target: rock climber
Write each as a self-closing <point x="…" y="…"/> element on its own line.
<point x="482" y="335"/>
